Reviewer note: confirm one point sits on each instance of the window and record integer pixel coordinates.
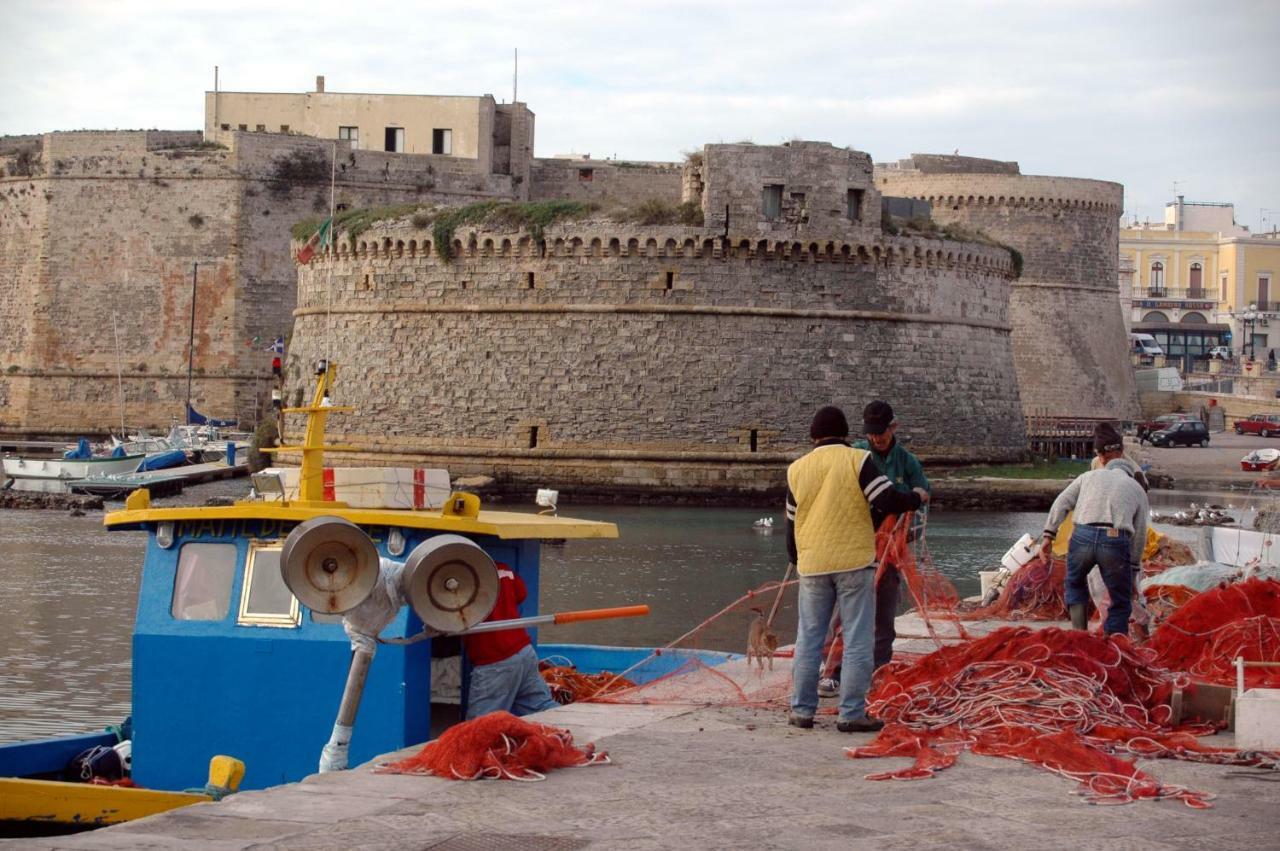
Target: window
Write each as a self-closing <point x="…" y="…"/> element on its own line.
<point x="226" y="126"/>
<point x="261" y="128"/>
<point x="284" y="128"/>
<point x="1196" y="280"/>
<point x="1155" y="316"/>
<point x="1223" y="295"/>
<point x="530" y="280"/>
<point x="244" y="126"/>
<point x="393" y="140"/>
<point x="855" y="205"/>
<point x="350" y="134"/>
<point x="586" y="175"/>
<point x="202" y="587"/>
<point x="1157" y="275"/>
<point x="671" y="280"/>
<point x="771" y="202"/>
<point x="533" y="437"/>
<point x="442" y="142"/>
<point x="1264" y="293"/>
<point x="1194" y="316"/>
<point x="264" y="598"/>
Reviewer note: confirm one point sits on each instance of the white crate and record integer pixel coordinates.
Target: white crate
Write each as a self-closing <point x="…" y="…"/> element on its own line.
<point x="1258" y="720"/>
<point x="374" y="487"/>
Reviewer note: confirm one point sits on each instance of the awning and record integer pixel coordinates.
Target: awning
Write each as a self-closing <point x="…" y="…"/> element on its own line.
<point x="1185" y="327"/>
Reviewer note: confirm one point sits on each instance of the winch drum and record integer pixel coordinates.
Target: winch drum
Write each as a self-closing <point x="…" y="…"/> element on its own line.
<point x="329" y="564"/>
<point x="450" y="582"/>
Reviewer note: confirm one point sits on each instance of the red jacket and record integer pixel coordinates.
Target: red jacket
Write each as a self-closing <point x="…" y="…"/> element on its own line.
<point x="485" y="648"/>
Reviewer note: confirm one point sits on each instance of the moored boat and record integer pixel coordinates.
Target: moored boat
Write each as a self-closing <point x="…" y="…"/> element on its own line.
<point x="227" y="659"/>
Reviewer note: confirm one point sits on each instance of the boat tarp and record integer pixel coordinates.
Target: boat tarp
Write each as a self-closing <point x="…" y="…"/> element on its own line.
<point x="80" y="453"/>
<point x="194" y="417"/>
<point x="163" y="461"/>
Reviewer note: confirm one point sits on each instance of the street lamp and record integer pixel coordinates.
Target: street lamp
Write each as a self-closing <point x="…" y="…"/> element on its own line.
<point x="1248" y="319"/>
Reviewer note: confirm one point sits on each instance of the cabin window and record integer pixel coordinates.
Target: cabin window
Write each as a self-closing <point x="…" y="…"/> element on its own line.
<point x="202" y="588"/>
<point x="264" y="599"/>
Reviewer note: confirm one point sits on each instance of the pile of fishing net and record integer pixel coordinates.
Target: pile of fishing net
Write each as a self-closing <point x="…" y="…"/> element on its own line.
<point x="1071" y="702"/>
<point x="1209" y="631"/>
<point x="1036" y="591"/>
<point x="497" y="746"/>
<point x="1168" y="553"/>
<point x="569" y="685"/>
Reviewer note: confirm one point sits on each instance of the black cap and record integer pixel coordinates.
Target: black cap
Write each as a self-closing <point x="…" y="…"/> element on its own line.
<point x="829" y="422"/>
<point x="1106" y="439"/>
<point x="877" y="417"/>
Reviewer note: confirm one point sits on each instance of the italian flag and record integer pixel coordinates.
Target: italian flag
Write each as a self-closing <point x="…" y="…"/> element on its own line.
<point x="318" y="239"/>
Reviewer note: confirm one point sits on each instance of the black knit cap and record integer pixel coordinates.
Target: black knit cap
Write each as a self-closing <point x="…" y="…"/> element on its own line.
<point x="829" y="422"/>
<point x="877" y="417"/>
<point x="1106" y="439"/>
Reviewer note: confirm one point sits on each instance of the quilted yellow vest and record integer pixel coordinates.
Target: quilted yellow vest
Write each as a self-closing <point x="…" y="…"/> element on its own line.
<point x="833" y="520"/>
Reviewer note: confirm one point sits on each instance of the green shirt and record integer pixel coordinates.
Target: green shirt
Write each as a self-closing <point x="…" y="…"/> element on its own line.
<point x="901" y="467"/>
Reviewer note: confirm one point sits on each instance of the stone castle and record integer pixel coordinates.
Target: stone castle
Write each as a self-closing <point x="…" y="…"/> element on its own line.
<point x="597" y="353"/>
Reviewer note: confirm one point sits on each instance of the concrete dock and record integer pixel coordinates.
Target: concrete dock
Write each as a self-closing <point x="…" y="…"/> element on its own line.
<point x="720" y="777"/>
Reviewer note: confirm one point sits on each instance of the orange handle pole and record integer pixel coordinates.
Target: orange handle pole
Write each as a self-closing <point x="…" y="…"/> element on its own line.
<point x="601" y="614"/>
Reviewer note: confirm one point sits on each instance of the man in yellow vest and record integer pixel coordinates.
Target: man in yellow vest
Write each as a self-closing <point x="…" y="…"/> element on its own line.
<point x="832" y="542"/>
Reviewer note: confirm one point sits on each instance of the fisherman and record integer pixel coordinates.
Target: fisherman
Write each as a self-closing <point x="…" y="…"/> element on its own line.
<point x="505" y="672"/>
<point x="831" y="492"/>
<point x="903" y="469"/>
<point x="1109" y="531"/>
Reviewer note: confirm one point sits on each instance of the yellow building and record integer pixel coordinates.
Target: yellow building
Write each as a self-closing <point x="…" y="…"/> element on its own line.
<point x="470" y="127"/>
<point x="1200" y="280"/>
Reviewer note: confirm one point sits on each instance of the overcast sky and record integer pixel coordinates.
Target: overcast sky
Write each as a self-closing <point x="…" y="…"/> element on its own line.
<point x="1143" y="93"/>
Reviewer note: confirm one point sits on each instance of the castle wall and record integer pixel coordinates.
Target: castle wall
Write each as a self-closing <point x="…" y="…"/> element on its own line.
<point x="111" y="227"/>
<point x="609" y="183"/>
<point x="1069" y="340"/>
<point x="654" y="357"/>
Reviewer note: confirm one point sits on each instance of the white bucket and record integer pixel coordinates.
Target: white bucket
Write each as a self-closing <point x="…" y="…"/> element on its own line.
<point x="1019" y="554"/>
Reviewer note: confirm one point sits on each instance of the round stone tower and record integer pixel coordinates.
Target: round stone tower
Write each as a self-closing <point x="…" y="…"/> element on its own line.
<point x="611" y="358"/>
<point x="1070" y="347"/>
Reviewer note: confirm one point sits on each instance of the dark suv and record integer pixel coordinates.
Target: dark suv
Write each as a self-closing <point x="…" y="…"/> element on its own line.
<point x="1191" y="433"/>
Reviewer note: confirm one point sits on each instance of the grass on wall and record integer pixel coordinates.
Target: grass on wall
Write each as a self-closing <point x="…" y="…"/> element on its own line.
<point x="533" y="217"/>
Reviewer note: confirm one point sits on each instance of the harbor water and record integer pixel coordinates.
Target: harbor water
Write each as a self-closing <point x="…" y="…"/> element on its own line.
<point x="68" y="591"/>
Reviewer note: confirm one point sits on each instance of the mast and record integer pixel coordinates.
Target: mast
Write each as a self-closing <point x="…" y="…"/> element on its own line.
<point x="191" y="340"/>
<point x="115" y="328"/>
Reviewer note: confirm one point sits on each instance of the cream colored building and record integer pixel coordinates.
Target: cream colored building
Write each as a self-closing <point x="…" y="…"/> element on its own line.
<point x="1200" y="280"/>
<point x="476" y="128"/>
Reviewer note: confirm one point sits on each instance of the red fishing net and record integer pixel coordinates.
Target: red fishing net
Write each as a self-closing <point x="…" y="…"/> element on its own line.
<point x="1207" y="633"/>
<point x="1036" y="591"/>
<point x="1068" y="701"/>
<point x="569" y="685"/>
<point x="497" y="746"/>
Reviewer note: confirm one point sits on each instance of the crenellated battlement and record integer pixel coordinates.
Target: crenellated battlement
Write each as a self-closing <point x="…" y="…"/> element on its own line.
<point x="390" y="242"/>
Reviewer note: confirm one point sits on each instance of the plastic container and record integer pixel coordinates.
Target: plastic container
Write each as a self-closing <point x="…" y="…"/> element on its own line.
<point x="1019" y="554"/>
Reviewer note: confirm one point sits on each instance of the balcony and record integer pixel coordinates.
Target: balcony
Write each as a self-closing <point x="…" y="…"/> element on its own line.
<point x="1167" y="293"/>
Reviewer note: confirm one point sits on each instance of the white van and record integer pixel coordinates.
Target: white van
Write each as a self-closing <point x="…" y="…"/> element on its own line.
<point x="1144" y="345"/>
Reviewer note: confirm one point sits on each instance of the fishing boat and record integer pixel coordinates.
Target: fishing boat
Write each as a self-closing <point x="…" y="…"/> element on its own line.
<point x="1260" y="460"/>
<point x="239" y="647"/>
<point x="70" y="469"/>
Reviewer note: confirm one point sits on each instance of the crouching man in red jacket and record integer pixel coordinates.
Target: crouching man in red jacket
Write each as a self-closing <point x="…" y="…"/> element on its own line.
<point x="504" y="674"/>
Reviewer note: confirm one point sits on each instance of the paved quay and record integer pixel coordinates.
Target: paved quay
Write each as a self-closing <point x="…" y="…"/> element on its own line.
<point x="726" y="777"/>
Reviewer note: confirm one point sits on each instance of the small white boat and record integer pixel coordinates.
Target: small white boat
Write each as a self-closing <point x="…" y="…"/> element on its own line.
<point x="69" y="469"/>
<point x="1241" y="547"/>
<point x="1260" y="459"/>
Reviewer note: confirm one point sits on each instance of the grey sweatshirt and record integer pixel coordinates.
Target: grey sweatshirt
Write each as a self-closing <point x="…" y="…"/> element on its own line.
<point x="1109" y="495"/>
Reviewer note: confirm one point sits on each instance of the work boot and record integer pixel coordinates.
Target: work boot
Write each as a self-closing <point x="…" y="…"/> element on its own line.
<point x="804" y="722"/>
<point x="1079" y="615"/>
<point x="864" y="725"/>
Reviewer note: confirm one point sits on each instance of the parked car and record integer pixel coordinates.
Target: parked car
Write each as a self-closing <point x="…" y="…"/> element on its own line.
<point x="1144" y="430"/>
<point x="1220" y="353"/>
<point x="1263" y="424"/>
<point x="1192" y="433"/>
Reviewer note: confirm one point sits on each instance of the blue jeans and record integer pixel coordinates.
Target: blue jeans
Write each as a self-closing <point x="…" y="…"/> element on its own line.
<point x="1092" y="546"/>
<point x="852" y="593"/>
<point x="511" y="685"/>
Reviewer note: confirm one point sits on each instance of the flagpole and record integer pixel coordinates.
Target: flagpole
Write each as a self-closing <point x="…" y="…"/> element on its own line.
<point x="191" y="341"/>
<point x="328" y="317"/>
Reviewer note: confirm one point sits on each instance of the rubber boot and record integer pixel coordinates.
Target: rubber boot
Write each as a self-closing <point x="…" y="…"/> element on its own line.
<point x="1079" y="615"/>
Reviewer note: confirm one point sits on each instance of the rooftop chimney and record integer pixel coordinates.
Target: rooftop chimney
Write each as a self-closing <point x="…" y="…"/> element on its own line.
<point x="320" y="83"/>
